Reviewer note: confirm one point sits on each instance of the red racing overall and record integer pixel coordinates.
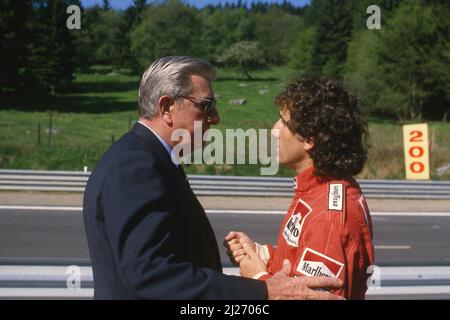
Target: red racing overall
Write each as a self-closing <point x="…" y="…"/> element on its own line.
<point x="326" y="232"/>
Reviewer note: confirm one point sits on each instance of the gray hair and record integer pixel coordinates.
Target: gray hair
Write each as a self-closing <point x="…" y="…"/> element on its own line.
<point x="170" y="76"/>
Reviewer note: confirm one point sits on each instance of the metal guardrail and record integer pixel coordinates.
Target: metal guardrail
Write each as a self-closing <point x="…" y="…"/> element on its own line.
<point x="56" y="282"/>
<point x="75" y="181"/>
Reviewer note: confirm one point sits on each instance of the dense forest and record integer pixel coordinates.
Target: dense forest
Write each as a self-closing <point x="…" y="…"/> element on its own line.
<point x="401" y="70"/>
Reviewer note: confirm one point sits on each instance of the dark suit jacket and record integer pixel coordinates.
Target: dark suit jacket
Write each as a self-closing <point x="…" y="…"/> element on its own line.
<point x="148" y="236"/>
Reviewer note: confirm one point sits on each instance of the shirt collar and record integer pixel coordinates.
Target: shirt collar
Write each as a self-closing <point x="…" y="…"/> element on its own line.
<point x="166" y="146"/>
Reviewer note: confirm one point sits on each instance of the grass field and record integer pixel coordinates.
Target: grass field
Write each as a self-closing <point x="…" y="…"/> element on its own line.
<point x="101" y="108"/>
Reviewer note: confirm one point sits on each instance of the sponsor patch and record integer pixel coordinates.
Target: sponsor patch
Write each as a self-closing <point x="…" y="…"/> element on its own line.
<point x="314" y="264"/>
<point x="294" y="225"/>
<point x="335" y="196"/>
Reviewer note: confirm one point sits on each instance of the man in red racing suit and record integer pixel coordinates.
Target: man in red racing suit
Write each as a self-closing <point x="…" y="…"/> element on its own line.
<point x="327" y="230"/>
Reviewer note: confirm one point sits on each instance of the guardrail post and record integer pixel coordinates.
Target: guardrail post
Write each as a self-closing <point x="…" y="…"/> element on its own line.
<point x="50" y="130"/>
<point x="39" y="134"/>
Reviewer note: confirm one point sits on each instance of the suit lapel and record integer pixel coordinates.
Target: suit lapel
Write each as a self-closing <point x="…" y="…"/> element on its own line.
<point x="152" y="143"/>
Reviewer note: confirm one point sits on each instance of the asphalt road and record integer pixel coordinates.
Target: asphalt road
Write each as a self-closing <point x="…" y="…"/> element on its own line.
<point x="44" y="235"/>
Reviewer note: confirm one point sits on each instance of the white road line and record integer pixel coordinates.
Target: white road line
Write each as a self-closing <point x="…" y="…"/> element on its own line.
<point x="393" y="247"/>
<point x="257" y="212"/>
<point x="222" y="211"/>
<point x="49" y="293"/>
<point x="61" y="293"/>
<point x="422" y="291"/>
<point x="410" y="214"/>
<point x="374" y="213"/>
<point x="40" y="208"/>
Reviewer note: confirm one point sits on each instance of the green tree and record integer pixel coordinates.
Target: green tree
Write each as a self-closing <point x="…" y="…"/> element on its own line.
<point x="334" y="28"/>
<point x="275" y="31"/>
<point x="105" y="31"/>
<point x="362" y="70"/>
<point x="403" y="68"/>
<point x="106" y="5"/>
<point x="213" y="37"/>
<point x="51" y="64"/>
<point x="96" y="41"/>
<point x="244" y="56"/>
<point x="123" y="56"/>
<point x="170" y="28"/>
<point x="13" y="38"/>
<point x="221" y="27"/>
<point x="302" y="51"/>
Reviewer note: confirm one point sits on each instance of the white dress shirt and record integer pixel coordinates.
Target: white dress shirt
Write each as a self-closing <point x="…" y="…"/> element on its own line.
<point x="166" y="146"/>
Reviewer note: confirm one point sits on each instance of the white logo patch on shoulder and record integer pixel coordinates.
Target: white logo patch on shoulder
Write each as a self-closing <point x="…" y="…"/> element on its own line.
<point x="294" y="225"/>
<point x="314" y="264"/>
<point x="335" y="196"/>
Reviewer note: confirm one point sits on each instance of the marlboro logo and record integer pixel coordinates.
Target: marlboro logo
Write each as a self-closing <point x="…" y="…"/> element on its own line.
<point x="314" y="264"/>
<point x="294" y="225"/>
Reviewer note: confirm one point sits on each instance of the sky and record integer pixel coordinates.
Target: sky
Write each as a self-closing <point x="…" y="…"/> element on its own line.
<point x="122" y="4"/>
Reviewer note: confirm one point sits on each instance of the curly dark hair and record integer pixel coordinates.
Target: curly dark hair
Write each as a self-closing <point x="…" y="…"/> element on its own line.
<point x="322" y="110"/>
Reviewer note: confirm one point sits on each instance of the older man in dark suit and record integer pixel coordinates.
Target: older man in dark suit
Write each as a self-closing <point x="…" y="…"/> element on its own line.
<point x="148" y="235"/>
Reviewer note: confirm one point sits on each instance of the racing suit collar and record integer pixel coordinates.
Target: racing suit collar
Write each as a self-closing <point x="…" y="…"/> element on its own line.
<point x="305" y="180"/>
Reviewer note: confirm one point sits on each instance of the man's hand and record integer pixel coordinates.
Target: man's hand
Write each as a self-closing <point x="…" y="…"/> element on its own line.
<point x="283" y="287"/>
<point x="234" y="242"/>
<point x="251" y="264"/>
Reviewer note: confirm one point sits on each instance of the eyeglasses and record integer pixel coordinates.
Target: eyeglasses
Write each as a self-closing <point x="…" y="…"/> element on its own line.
<point x="206" y="105"/>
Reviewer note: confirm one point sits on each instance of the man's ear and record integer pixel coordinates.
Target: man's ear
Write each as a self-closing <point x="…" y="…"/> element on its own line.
<point x="308" y="144"/>
<point x="165" y="109"/>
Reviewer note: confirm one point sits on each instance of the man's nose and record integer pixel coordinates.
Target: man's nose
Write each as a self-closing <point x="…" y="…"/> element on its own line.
<point x="275" y="132"/>
<point x="277" y="125"/>
<point x="214" y="117"/>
